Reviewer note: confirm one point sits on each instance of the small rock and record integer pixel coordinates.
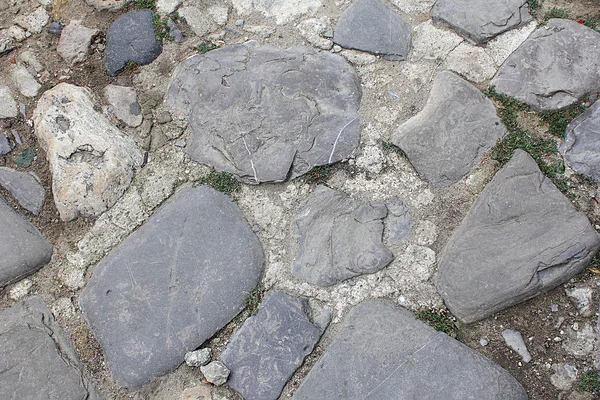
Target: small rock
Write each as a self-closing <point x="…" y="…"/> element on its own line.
<point x="17" y="33"/>
<point x="55" y="28"/>
<point x="483" y="341"/>
<point x="514" y="340"/>
<point x="109" y="5"/>
<point x="580" y="343"/>
<point x="29" y="58"/>
<point x="581" y="147"/>
<point x="239" y="22"/>
<point x="312" y="30"/>
<point x="124" y="104"/>
<point x="202" y="22"/>
<point x="216" y="373"/>
<point x="554" y="308"/>
<point x="174" y="31"/>
<point x="8" y="105"/>
<point x="165" y="7"/>
<point x="198" y="358"/>
<point x="33" y="22"/>
<point x="75" y="41"/>
<point x="25" y="82"/>
<point x="20" y="289"/>
<point x="5" y="147"/>
<point x="25" y="187"/>
<point x="582" y="298"/>
<point x="397" y="223"/>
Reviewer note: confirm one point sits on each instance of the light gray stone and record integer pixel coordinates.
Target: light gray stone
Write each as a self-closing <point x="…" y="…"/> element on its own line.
<point x="514" y="340"/>
<point x="216" y="373"/>
<point x="165" y="7"/>
<point x="283" y="11"/>
<point x="125" y="107"/>
<point x="564" y="377"/>
<point x="74" y="43"/>
<point x="521" y="238"/>
<point x="267" y="114"/>
<point x="109" y="5"/>
<point x="8" y="105"/>
<point x="372" y="26"/>
<point x="172" y="284"/>
<point x="33" y="22"/>
<point x="335" y="238"/>
<point x="29" y="58"/>
<point x="314" y="30"/>
<point x="581" y="147"/>
<point x="25" y="82"/>
<point x="198" y="358"/>
<point x="581" y="296"/>
<point x="264" y="353"/>
<point x="580" y="343"/>
<point x="5" y="146"/>
<point x="384" y="352"/>
<point x="541" y="71"/>
<point x="397" y="223"/>
<point x="25" y="187"/>
<point x="36" y="361"/>
<point x="457" y="126"/>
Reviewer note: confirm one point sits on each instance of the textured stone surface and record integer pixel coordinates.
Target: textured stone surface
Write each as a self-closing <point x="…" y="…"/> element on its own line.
<point x="581" y="147"/>
<point x="371" y="26"/>
<point x="165" y="7"/>
<point x="74" y="43"/>
<point x="36" y="361"/>
<point x="110" y="5"/>
<point x="481" y="20"/>
<point x="24" y="250"/>
<point x="5" y="146"/>
<point x="216" y="373"/>
<point x="283" y="11"/>
<point x="24" y="187"/>
<point x="124" y="105"/>
<point x="472" y="62"/>
<point x="131" y="38"/>
<point x="92" y="162"/>
<point x="432" y="43"/>
<point x="204" y="21"/>
<point x="267" y="114"/>
<point x="8" y="105"/>
<point x="397" y="223"/>
<point x="522" y="237"/>
<point x="267" y="349"/>
<point x="33" y="22"/>
<point x="452" y="132"/>
<point x="384" y="352"/>
<point x="25" y="82"/>
<point x="413" y="6"/>
<point x="335" y="238"/>
<point x="172" y="284"/>
<point x="542" y="71"/>
<point x="514" y="340"/>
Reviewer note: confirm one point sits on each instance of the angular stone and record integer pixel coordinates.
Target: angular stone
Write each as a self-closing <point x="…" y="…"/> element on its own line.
<point x="5" y="146"/>
<point x="172" y="284"/>
<point x="8" y="105"/>
<point x="165" y="7"/>
<point x="24" y="187"/>
<point x="36" y="361"/>
<point x="24" y="250"/>
<point x="25" y="82"/>
<point x="481" y="20"/>
<point x="267" y="114"/>
<point x="264" y="353"/>
<point x="383" y="352"/>
<point x="131" y="39"/>
<point x="514" y="340"/>
<point x="371" y="26"/>
<point x="521" y="238"/>
<point x="335" y="238"/>
<point x="198" y="358"/>
<point x="125" y="107"/>
<point x="75" y="41"/>
<point x="472" y="62"/>
<point x="92" y="162"/>
<point x="397" y="223"/>
<point x="216" y="373"/>
<point x="452" y="132"/>
<point x="542" y="73"/>
<point x="33" y="22"/>
<point x="581" y="147"/>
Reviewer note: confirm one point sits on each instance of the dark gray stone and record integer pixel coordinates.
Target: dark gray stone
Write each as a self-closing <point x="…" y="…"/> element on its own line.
<point x="172" y="284"/>
<point x="36" y="361"/>
<point x="5" y="147"/>
<point x="131" y="38"/>
<point x="24" y="250"/>
<point x="384" y="352"/>
<point x="24" y="187"/>
<point x="522" y="237"/>
<point x="335" y="238"/>
<point x="55" y="28"/>
<point x="457" y="126"/>
<point x="558" y="64"/>
<point x="397" y="223"/>
<point x="264" y="353"/>
<point x="267" y="114"/>
<point x="581" y="147"/>
<point x="371" y="26"/>
<point x="481" y="20"/>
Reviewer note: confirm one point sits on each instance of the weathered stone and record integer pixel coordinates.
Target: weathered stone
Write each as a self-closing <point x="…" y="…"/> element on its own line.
<point x="25" y="82"/>
<point x="203" y="21"/>
<point x="109" y="5"/>
<point x="283" y="11"/>
<point x="335" y="238"/>
<point x="264" y="353"/>
<point x="165" y="7"/>
<point x="432" y="43"/>
<point x="481" y="20"/>
<point x="29" y="58"/>
<point x="131" y="38"/>
<point x="33" y="22"/>
<point x="371" y="26"/>
<point x="25" y="187"/>
<point x="521" y="238"/>
<point x="75" y="41"/>
<point x="287" y="110"/>
<point x="91" y="161"/>
<point x="5" y="146"/>
<point x="581" y="296"/>
<point x="24" y="250"/>
<point x="542" y="73"/>
<point x="216" y="373"/>
<point x="36" y="361"/>
<point x="413" y="6"/>
<point x="580" y="343"/>
<point x="123" y="101"/>
<point x="472" y="62"/>
<point x="8" y="105"/>
<point x="452" y="132"/>
<point x="565" y="376"/>
<point x="397" y="223"/>
<point x="174" y="32"/>
<point x="172" y="284"/>
<point x="514" y="340"/>
<point x="55" y="28"/>
<point x="198" y="358"/>
<point x="581" y="147"/>
<point x="384" y="352"/>
<point x="314" y="30"/>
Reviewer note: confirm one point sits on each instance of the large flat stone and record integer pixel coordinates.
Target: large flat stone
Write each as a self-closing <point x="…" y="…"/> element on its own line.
<point x="558" y="64"/>
<point x="24" y="250"/>
<point x="25" y="187"/>
<point x="452" y="132"/>
<point x="36" y="361"/>
<point x="335" y="237"/>
<point x="267" y="114"/>
<point x="383" y="352"/>
<point x="264" y="353"/>
<point x="172" y="284"/>
<point x="522" y="237"/>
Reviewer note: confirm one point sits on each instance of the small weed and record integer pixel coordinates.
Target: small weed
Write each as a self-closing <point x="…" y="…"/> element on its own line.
<point x="25" y="158"/>
<point x="389" y="146"/>
<point x="592" y="22"/>
<point x="205" y="47"/>
<point x="160" y="27"/>
<point x="222" y="181"/>
<point x="253" y="299"/>
<point x="558" y="120"/>
<point x="534" y="6"/>
<point x="440" y="320"/>
<point x="589" y="382"/>
<point x="142" y="4"/>
<point x="556" y="12"/>
<point x="318" y="175"/>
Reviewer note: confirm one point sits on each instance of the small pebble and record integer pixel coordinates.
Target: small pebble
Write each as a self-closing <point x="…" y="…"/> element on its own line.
<point x="55" y="28"/>
<point x="554" y="308"/>
<point x="216" y="373"/>
<point x="483" y="342"/>
<point x="239" y="22"/>
<point x="198" y="358"/>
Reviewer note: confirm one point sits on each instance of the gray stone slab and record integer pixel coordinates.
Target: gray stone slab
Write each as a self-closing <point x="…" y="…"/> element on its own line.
<point x="372" y="26"/>
<point x="457" y="126"/>
<point x="172" y="284"/>
<point x="264" y="353"/>
<point x="36" y="361"/>
<point x="383" y="352"/>
<point x="131" y="38"/>
<point x="5" y="147"/>
<point x="267" y="114"/>
<point x="558" y="64"/>
<point x="397" y="222"/>
<point x="522" y="237"/>
<point x="335" y="237"/>
<point x="24" y="250"/>
<point x="481" y="20"/>
<point x="581" y="147"/>
<point x="24" y="187"/>
<point x="8" y="105"/>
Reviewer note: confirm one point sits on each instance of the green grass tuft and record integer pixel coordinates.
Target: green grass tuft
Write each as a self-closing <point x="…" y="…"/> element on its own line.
<point x="556" y="12"/>
<point x="589" y="382"/>
<point x="558" y="120"/>
<point x="592" y="22"/>
<point x="221" y="181"/>
<point x="440" y="320"/>
<point x="534" y="6"/>
<point x="253" y="299"/>
<point x="205" y="47"/>
<point x="161" y="28"/>
<point x="318" y="175"/>
<point x="142" y="4"/>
